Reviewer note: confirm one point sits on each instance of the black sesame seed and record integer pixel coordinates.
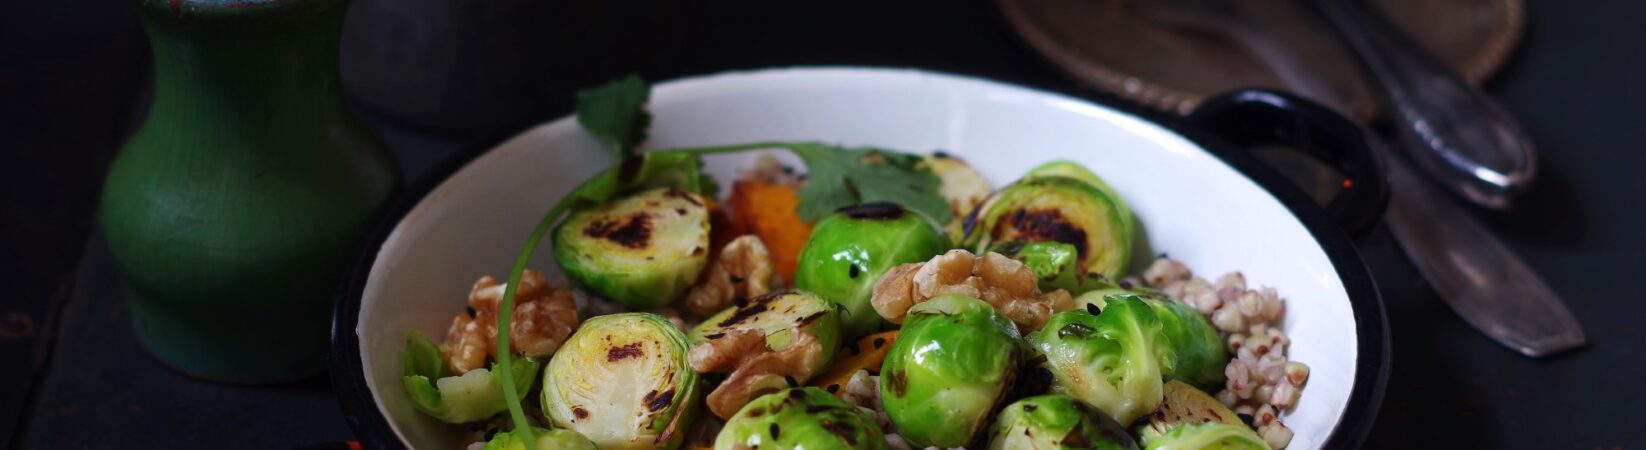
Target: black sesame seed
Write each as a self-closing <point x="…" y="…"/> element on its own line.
<point x="470" y="311"/>
<point x="879" y="342"/>
<point x="1091" y="308"/>
<point x="852" y="271"/>
<point x="736" y="279"/>
<point x="774" y="431"/>
<point x="833" y="388"/>
<point x="1246" y="418"/>
<point x="1126" y="284"/>
<point x="791" y="381"/>
<point x="1030" y="407"/>
<point x="796" y="394"/>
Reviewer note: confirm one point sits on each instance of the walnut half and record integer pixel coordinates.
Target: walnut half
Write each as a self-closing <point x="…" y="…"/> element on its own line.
<point x="755" y="368"/>
<point x="742" y="270"/>
<point x="543" y="318"/>
<point x="1003" y="282"/>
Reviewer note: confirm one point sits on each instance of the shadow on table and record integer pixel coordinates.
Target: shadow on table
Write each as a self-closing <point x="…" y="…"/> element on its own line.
<point x="1426" y="404"/>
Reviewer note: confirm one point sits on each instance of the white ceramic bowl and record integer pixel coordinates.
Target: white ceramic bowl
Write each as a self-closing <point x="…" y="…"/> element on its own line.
<point x="1192" y="204"/>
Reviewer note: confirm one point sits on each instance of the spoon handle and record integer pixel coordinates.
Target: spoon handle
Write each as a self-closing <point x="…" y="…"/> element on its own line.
<point x="1478" y="276"/>
<point x="1453" y="131"/>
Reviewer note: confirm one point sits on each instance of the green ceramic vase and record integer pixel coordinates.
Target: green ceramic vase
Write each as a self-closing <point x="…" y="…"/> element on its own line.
<point x="238" y="204"/>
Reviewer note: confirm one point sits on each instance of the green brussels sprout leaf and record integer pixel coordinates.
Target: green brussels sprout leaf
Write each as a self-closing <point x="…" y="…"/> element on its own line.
<point x="469" y="397"/>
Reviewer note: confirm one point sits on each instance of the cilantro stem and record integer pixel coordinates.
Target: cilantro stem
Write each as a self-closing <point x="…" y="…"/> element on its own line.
<point x="511" y="395"/>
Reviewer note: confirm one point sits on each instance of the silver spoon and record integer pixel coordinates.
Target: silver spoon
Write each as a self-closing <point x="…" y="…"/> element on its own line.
<point x="1452" y="130"/>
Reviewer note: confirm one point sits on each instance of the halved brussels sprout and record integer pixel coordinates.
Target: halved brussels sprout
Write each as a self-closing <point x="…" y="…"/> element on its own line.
<point x="852" y="248"/>
<point x="1110" y="360"/>
<point x="546" y="439"/>
<point x="800" y="418"/>
<point x="1183" y="405"/>
<point x="470" y="397"/>
<point x="778" y="316"/>
<point x="962" y="186"/>
<point x="1065" y="168"/>
<point x="1209" y="436"/>
<point x="624" y="382"/>
<point x="1194" y="352"/>
<point x="1056" y="209"/>
<point x="954" y="361"/>
<point x="1056" y="264"/>
<point x="1051" y="422"/>
<point x="643" y="250"/>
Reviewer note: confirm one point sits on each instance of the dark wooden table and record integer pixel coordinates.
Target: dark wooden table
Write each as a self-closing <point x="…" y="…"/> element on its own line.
<point x="74" y="81"/>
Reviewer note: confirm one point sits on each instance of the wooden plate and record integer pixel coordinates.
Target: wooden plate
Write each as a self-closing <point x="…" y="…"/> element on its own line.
<point x="1114" y="46"/>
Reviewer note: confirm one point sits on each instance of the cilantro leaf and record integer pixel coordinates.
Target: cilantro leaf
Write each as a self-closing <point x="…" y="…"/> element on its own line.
<point x="840" y="177"/>
<point x="615" y="114"/>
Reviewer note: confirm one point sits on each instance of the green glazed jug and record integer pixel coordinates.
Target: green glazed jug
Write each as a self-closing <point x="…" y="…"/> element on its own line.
<point x="238" y="204"/>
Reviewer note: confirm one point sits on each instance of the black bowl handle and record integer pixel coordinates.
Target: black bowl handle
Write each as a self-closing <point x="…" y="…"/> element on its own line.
<point x="1251" y="117"/>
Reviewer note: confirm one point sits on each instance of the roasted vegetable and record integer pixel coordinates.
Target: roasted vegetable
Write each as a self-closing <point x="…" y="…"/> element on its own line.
<point x="546" y="439"/>
<point x="643" y="250"/>
<point x="623" y="382"/>
<point x="1193" y="352"/>
<point x="767" y="209"/>
<point x="1110" y="360"/>
<point x="1055" y="264"/>
<point x="800" y="418"/>
<point x="1209" y="436"/>
<point x="1065" y="168"/>
<point x="954" y="361"/>
<point x="853" y="247"/>
<point x="767" y="343"/>
<point x="1182" y="404"/>
<point x="470" y="397"/>
<point x="962" y="186"/>
<point x="866" y="354"/>
<point x="1058" y="422"/>
<point x="1057" y="209"/>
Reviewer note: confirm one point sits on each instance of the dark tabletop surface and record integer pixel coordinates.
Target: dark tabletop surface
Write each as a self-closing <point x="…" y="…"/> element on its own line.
<point x="74" y="78"/>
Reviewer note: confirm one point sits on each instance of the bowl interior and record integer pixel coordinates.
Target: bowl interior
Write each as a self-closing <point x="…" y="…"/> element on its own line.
<point x="1189" y="203"/>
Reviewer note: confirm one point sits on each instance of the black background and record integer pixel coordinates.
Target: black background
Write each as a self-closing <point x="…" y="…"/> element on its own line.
<point x="74" y="77"/>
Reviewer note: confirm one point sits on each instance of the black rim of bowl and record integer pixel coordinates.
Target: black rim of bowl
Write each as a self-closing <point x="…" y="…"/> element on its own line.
<point x="1371" y="365"/>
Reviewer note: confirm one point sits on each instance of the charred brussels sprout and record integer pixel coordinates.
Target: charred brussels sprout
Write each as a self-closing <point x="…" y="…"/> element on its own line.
<point x="1193" y="352"/>
<point x="1184" y="405"/>
<point x="546" y="439"/>
<point x="470" y="397"/>
<point x="800" y="418"/>
<point x="1056" y="209"/>
<point x="643" y="250"/>
<point x="1209" y="436"/>
<point x="623" y="381"/>
<point x="954" y="360"/>
<point x="1056" y="264"/>
<point x="1070" y="169"/>
<point x="778" y="316"/>
<point x="962" y="186"/>
<point x="1110" y="360"/>
<point x="852" y="248"/>
<point x="1050" y="422"/>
